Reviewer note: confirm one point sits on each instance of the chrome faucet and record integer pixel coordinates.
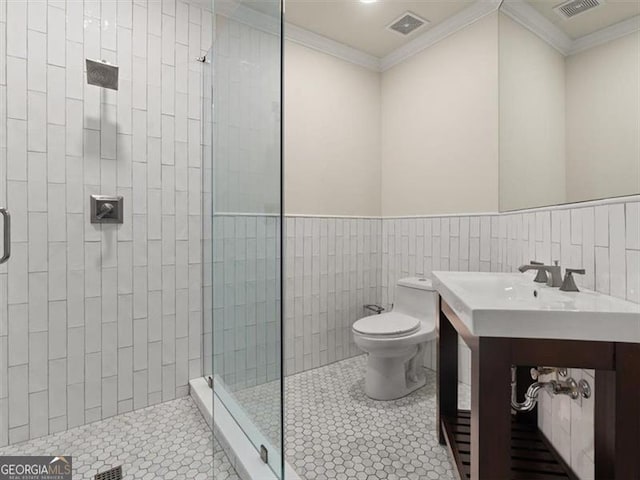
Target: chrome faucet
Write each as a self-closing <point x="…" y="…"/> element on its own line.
<point x="552" y="273"/>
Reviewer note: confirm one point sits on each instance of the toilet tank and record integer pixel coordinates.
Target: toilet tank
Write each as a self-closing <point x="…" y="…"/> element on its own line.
<point x="415" y="296"/>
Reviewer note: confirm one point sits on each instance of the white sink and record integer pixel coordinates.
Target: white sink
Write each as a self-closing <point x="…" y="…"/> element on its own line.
<point x="512" y="305"/>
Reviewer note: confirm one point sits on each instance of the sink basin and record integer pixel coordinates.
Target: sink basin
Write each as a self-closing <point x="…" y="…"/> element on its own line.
<point x="512" y="305"/>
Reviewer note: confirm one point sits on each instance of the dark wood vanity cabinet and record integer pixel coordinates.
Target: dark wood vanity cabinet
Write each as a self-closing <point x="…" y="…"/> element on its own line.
<point x="489" y="443"/>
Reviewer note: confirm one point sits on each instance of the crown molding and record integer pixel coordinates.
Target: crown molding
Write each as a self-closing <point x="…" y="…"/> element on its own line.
<point x="535" y="22"/>
<point x="243" y="14"/>
<point x="605" y="35"/>
<point x="518" y="10"/>
<point x="460" y="20"/>
<point x="326" y="45"/>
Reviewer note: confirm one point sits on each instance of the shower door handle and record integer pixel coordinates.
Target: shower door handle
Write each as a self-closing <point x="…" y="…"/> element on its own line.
<point x="7" y="235"/>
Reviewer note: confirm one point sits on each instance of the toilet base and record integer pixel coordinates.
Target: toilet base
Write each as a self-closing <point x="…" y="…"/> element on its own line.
<point x="390" y="378"/>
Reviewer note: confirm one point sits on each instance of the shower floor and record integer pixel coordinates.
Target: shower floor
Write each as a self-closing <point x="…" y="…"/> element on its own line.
<point x="167" y="441"/>
<point x="334" y="431"/>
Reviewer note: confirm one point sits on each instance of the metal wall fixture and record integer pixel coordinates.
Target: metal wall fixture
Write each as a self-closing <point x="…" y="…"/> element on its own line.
<point x="568" y="387"/>
<point x="107" y="209"/>
<point x="540" y="371"/>
<point x="7" y="235"/>
<point x="102" y="74"/>
<point x="377" y="309"/>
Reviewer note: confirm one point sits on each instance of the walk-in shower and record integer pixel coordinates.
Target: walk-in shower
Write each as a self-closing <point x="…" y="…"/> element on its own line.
<point x="101" y="321"/>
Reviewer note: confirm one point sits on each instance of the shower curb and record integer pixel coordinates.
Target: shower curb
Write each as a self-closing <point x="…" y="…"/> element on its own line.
<point x="231" y="438"/>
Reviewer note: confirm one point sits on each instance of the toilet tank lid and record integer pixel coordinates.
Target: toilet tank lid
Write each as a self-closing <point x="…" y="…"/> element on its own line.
<point x="420" y="283"/>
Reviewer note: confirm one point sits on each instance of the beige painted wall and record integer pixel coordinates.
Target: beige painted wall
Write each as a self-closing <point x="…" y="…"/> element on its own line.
<point x="332" y="135"/>
<point x="440" y="126"/>
<point x="532" y="119"/>
<point x="603" y="120"/>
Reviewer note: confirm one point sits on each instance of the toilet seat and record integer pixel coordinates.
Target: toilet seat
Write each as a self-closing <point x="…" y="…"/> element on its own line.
<point x="391" y="324"/>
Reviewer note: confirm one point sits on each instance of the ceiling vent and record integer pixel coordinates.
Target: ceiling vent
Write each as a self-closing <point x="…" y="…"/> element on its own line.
<point x="575" y="7"/>
<point x="407" y="23"/>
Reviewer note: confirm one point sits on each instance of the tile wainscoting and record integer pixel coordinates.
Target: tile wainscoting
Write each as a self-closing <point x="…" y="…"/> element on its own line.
<point x="332" y="269"/>
<point x="602" y="237"/>
<point x="99" y="320"/>
<point x="335" y="265"/>
<point x="242" y="344"/>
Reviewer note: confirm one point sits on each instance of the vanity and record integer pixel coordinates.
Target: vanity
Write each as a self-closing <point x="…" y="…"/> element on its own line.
<point x="506" y="319"/>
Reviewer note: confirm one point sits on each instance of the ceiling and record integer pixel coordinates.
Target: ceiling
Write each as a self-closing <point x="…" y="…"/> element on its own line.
<point x="363" y="25"/>
<point x="608" y="13"/>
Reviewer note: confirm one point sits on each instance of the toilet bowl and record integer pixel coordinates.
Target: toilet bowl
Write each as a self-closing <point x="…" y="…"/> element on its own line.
<point x="395" y="341"/>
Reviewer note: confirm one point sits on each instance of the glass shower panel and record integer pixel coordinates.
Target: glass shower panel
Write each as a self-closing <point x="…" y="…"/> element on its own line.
<point x="247" y="221"/>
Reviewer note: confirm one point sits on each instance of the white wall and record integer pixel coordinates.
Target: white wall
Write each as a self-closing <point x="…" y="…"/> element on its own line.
<point x="332" y="135"/>
<point x="440" y="126"/>
<point x="532" y="119"/>
<point x="362" y="143"/>
<point x="603" y="120"/>
<point x="97" y="320"/>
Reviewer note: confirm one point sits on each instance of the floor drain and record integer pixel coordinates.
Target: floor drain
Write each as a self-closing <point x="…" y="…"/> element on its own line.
<point x="113" y="474"/>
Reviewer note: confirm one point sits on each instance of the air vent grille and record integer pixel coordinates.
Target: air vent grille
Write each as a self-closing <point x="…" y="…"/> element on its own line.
<point x="575" y="7"/>
<point x="407" y="23"/>
<point x="113" y="474"/>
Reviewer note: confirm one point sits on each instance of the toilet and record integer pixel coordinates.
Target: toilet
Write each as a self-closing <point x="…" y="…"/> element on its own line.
<point x="395" y="341"/>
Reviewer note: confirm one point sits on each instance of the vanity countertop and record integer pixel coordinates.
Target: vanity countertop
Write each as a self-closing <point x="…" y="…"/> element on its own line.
<point x="512" y="305"/>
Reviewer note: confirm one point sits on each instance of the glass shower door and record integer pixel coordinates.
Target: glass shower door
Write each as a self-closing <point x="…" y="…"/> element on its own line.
<point x="247" y="221"/>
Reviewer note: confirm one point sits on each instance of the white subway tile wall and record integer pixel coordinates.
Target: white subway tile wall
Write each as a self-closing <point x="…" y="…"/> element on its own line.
<point x="245" y="306"/>
<point x="99" y="320"/>
<point x="602" y="238"/>
<point x="332" y="269"/>
<point x="333" y="266"/>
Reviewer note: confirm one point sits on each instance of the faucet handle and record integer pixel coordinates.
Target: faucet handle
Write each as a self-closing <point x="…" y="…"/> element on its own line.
<point x="541" y="275"/>
<point x="579" y="271"/>
<point x="569" y="284"/>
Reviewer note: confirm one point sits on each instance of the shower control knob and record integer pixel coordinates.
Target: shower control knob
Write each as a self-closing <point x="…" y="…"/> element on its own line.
<point x="105" y="209"/>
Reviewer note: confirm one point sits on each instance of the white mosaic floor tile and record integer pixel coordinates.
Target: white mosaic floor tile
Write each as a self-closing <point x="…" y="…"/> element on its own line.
<point x="166" y="441"/>
<point x="334" y="431"/>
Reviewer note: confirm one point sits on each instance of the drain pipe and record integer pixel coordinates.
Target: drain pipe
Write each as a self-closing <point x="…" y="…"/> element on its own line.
<point x="569" y="387"/>
<point x="530" y="397"/>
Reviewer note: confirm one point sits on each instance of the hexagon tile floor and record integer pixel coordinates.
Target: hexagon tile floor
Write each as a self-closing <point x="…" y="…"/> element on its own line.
<point x="166" y="441"/>
<point x="334" y="431"/>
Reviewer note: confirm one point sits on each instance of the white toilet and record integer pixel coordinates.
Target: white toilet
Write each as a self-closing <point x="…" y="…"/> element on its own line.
<point x="395" y="341"/>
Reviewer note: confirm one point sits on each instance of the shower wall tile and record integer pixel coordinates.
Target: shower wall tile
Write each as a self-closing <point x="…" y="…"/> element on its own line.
<point x="95" y="320"/>
<point x="246" y="300"/>
<point x="331" y="270"/>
